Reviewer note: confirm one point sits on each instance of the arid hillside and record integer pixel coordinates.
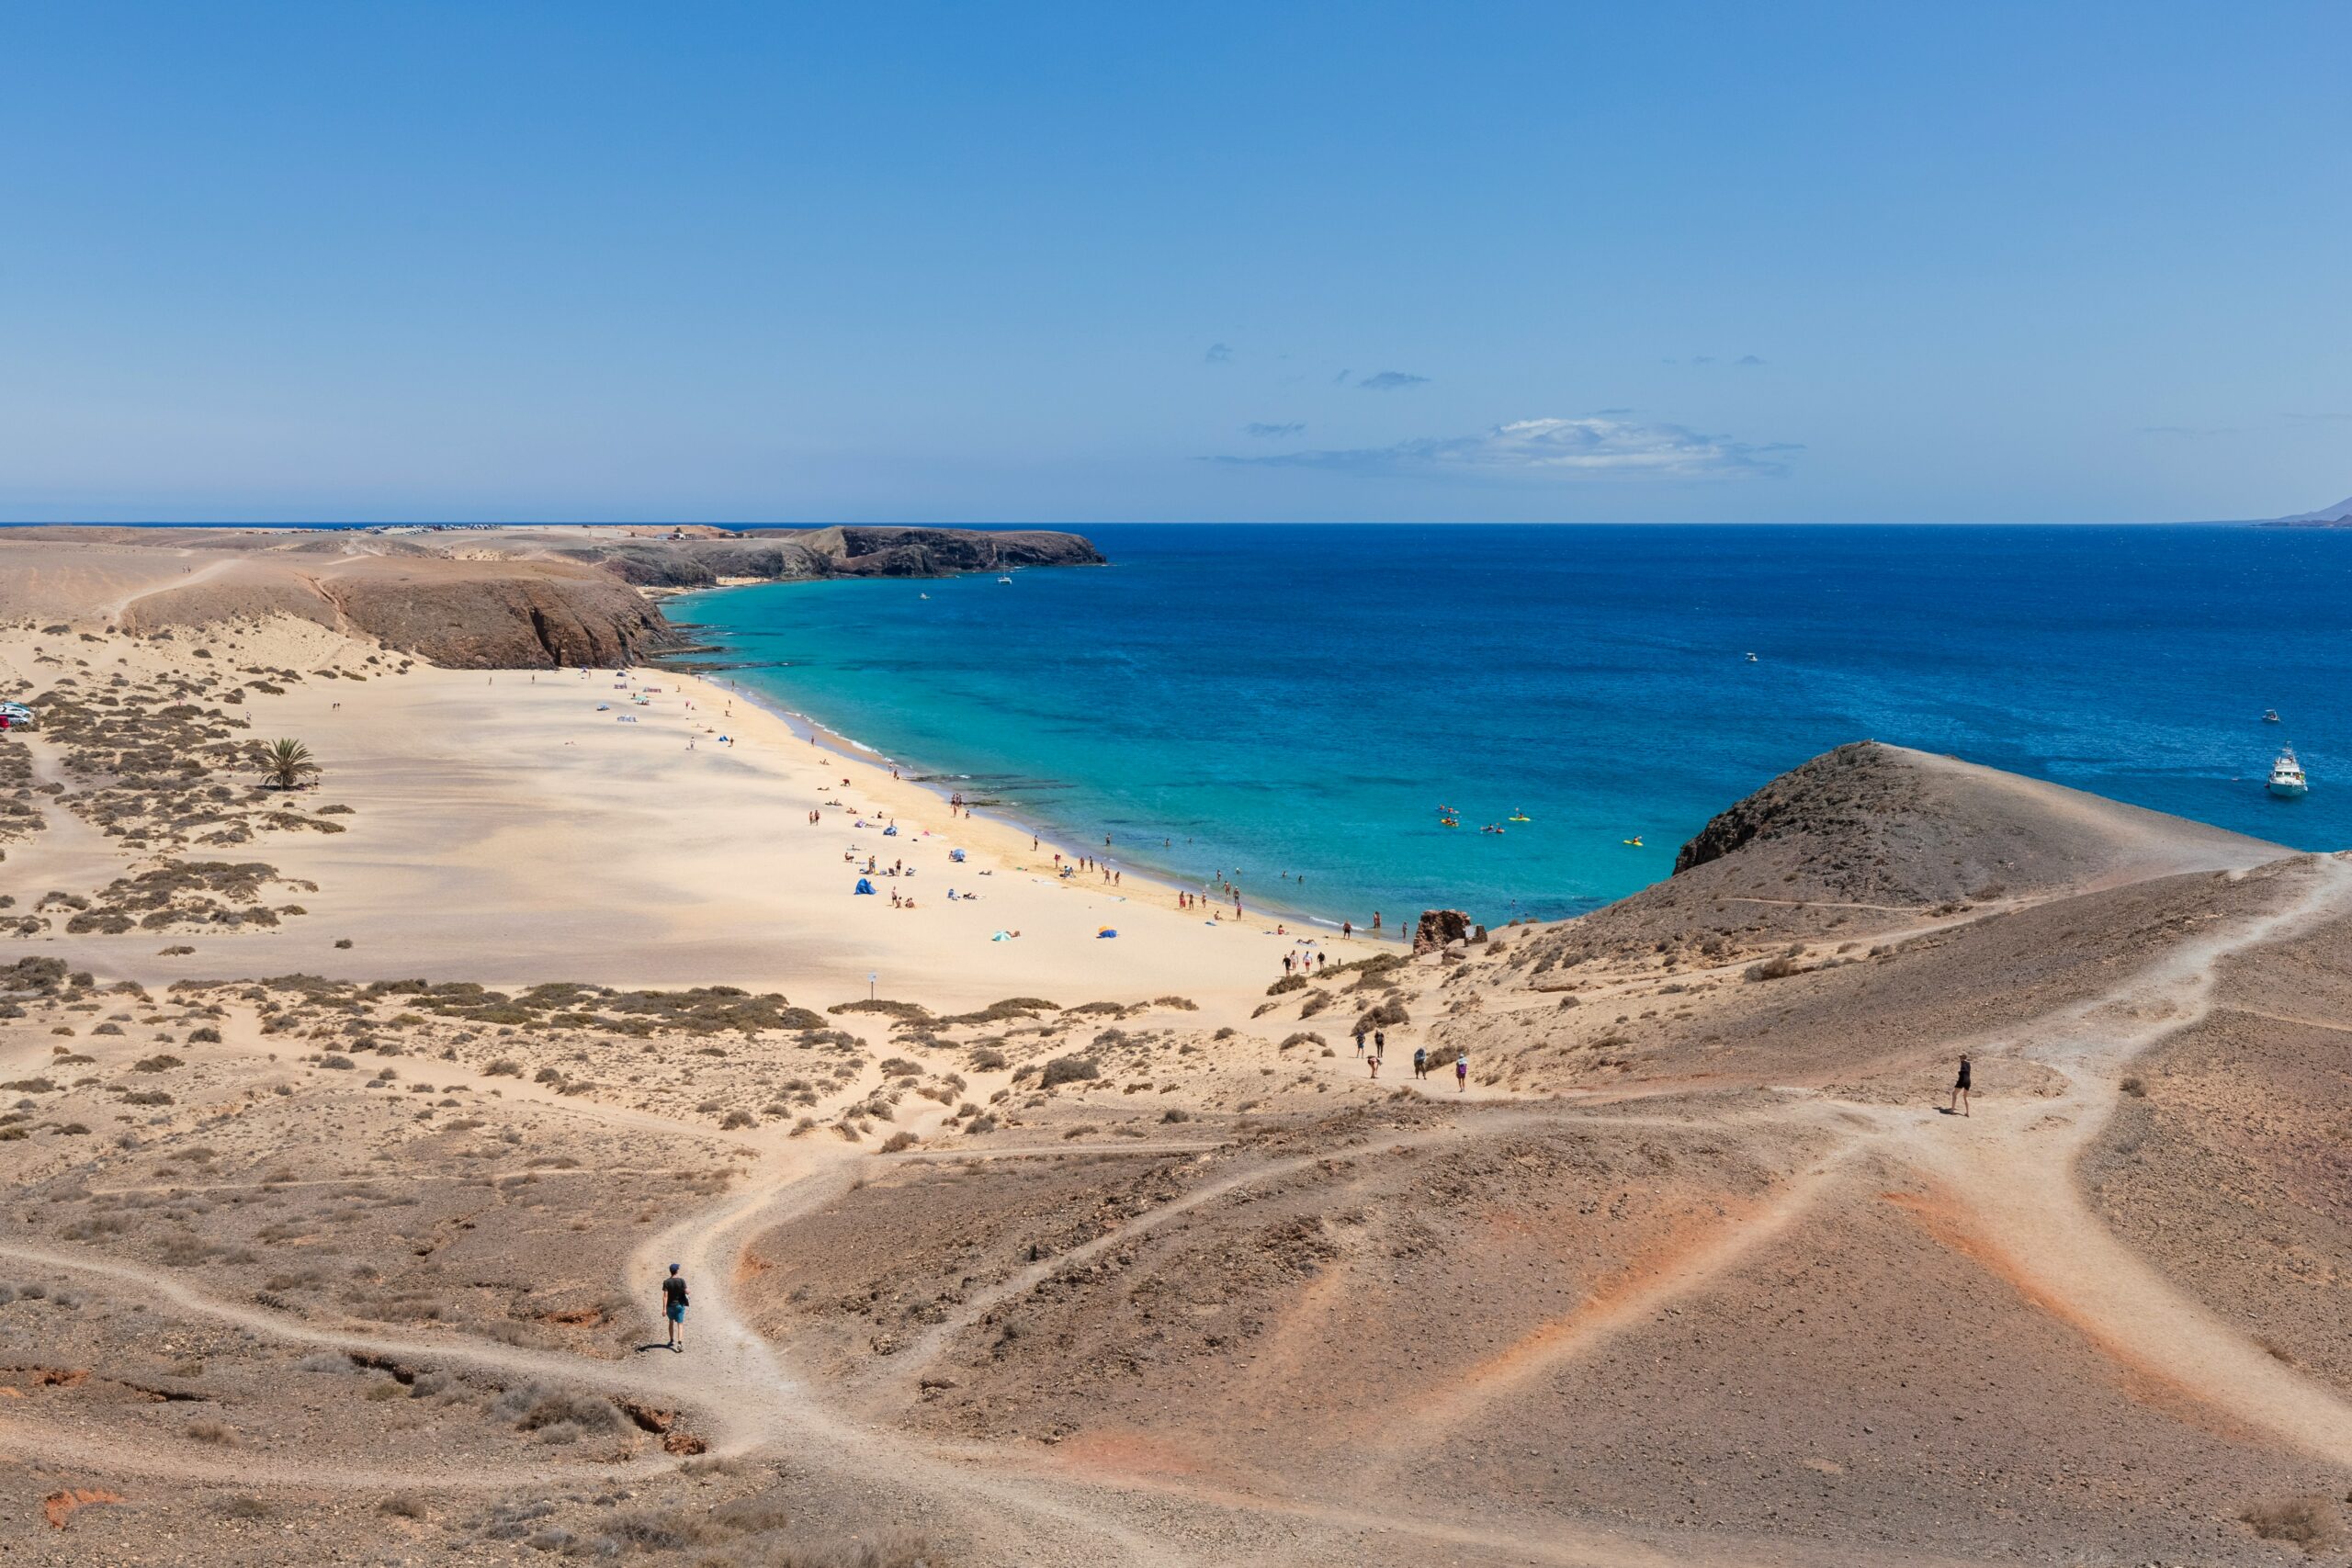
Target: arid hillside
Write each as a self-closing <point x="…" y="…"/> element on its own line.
<point x="1690" y="1265"/>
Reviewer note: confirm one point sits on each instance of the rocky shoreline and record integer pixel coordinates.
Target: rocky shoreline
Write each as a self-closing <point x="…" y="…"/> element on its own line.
<point x="479" y="598"/>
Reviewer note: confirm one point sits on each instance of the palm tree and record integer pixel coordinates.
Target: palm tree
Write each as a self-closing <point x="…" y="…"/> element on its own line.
<point x="283" y="764"/>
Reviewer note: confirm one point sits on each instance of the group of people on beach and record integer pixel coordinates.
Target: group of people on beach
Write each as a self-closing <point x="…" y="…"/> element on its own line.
<point x="1082" y="864"/>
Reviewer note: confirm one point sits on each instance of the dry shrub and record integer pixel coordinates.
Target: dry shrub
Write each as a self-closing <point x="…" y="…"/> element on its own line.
<point x="1068" y="1069"/>
<point x="894" y="1549"/>
<point x="536" y="1406"/>
<point x="2310" y="1521"/>
<point x="909" y="1011"/>
<point x="897" y="1141"/>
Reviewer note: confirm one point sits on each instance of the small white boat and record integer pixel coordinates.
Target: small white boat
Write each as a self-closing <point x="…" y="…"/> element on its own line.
<point x="2270" y="716"/>
<point x="1005" y="579"/>
<point x="2287" y="780"/>
<point x="1751" y="659"/>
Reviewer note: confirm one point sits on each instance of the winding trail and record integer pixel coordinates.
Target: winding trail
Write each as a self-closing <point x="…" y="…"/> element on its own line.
<point x="113" y="610"/>
<point x="2007" y="1192"/>
<point x="2014" y="1187"/>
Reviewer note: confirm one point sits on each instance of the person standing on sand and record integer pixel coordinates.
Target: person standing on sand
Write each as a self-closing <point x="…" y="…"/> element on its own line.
<point x="674" y="1308"/>
<point x="1960" y="1102"/>
<point x="1375" y="1062"/>
<point x="1461" y="1072"/>
<point x="1380" y="1040"/>
<point x="1420" y="1062"/>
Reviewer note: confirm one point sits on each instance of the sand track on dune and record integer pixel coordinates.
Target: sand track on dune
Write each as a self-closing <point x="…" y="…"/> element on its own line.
<point x="116" y="608"/>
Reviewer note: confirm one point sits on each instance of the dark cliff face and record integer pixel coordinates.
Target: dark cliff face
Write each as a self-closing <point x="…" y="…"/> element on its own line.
<point x="582" y="605"/>
<point x="937" y="552"/>
<point x="507" y="623"/>
<point x="786" y="555"/>
<point x="1834" y="794"/>
<point x="699" y="563"/>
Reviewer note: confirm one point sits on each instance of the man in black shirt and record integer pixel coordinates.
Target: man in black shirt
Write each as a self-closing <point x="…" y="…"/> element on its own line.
<point x="674" y="1308"/>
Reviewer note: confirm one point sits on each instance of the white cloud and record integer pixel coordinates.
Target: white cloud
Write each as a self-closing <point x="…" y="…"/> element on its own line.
<point x="1591" y="448"/>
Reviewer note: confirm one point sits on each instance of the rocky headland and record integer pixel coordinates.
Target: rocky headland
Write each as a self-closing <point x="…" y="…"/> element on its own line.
<point x="469" y="598"/>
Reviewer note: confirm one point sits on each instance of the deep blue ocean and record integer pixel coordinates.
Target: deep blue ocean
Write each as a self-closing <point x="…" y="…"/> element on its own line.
<point x="1298" y="702"/>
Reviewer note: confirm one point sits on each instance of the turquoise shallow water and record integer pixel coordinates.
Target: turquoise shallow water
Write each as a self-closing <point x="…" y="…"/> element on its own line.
<point x="1297" y="701"/>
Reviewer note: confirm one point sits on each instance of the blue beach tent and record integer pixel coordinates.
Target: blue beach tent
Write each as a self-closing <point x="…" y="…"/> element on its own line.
<point x="863" y="886"/>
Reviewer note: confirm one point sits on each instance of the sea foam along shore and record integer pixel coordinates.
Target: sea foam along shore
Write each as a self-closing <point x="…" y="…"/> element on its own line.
<point x="1143" y="874"/>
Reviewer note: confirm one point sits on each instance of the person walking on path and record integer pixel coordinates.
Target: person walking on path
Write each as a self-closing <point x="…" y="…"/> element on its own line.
<point x="1375" y="1067"/>
<point x="1420" y="1062"/>
<point x="674" y="1308"/>
<point x="1380" y="1040"/>
<point x="1461" y="1072"/>
<point x="1960" y="1102"/>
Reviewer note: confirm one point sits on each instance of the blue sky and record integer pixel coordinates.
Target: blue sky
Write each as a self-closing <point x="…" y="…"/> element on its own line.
<point x="1791" y="263"/>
